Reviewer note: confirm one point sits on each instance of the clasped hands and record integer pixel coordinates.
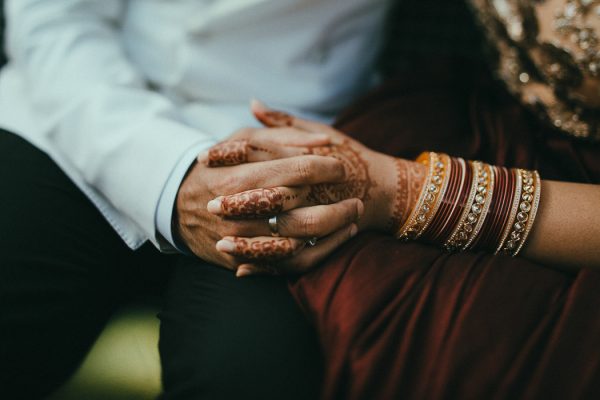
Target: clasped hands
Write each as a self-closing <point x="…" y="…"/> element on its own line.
<point x="317" y="181"/>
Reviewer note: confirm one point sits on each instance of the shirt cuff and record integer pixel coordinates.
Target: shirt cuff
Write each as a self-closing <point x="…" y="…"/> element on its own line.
<point x="166" y="203"/>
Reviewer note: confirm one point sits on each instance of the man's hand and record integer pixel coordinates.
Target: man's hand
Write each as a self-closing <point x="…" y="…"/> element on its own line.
<point x="257" y="158"/>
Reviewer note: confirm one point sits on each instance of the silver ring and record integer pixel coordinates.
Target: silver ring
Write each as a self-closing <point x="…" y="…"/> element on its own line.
<point x="312" y="242"/>
<point x="273" y="226"/>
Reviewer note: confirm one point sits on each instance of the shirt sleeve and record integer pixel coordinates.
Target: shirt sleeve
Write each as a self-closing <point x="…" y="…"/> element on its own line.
<point x="166" y="204"/>
<point x="94" y="108"/>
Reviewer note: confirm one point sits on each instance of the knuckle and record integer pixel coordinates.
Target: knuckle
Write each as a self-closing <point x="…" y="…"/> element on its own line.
<point x="213" y="189"/>
<point x="286" y="224"/>
<point x="310" y="225"/>
<point x="213" y="185"/>
<point x="226" y="184"/>
<point x="304" y="169"/>
<point x="230" y="229"/>
<point x="185" y="195"/>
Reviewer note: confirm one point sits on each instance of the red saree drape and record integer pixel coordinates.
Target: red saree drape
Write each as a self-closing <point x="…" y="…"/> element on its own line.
<point x="407" y="320"/>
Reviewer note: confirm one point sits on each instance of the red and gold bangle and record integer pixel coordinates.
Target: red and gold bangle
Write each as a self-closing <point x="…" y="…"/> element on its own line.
<point x="460" y="203"/>
<point x="447" y="202"/>
<point x="500" y="204"/>
<point x="459" y="237"/>
<point x="428" y="203"/>
<point x="512" y="215"/>
<point x="476" y="209"/>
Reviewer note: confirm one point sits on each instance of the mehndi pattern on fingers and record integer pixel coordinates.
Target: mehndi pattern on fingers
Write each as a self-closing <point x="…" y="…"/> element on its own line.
<point x="274" y="119"/>
<point x="255" y="203"/>
<point x="259" y="149"/>
<point x="231" y="152"/>
<point x="358" y="182"/>
<point x="264" y="250"/>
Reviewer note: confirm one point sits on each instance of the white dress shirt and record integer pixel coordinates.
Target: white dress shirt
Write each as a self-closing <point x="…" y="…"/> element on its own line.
<point x="123" y="94"/>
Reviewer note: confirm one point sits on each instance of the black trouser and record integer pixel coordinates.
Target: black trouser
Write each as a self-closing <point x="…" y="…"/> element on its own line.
<point x="64" y="271"/>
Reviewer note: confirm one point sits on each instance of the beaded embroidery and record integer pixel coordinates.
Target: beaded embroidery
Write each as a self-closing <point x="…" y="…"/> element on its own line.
<point x="548" y="54"/>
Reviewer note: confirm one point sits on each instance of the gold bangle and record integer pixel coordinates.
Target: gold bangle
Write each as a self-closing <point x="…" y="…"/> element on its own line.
<point x="512" y="226"/>
<point x="530" y="179"/>
<point x="483" y="199"/>
<point x="429" y="200"/>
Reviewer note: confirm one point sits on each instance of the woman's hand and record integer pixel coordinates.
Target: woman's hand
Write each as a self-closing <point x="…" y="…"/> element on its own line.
<point x="387" y="187"/>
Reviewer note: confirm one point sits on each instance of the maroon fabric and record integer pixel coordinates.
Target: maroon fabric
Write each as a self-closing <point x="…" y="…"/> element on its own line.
<point x="410" y="321"/>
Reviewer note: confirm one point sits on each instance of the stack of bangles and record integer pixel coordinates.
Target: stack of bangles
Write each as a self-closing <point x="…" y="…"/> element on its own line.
<point x="470" y="205"/>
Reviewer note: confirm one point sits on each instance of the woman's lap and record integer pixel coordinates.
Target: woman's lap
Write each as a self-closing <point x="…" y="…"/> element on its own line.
<point x="408" y="320"/>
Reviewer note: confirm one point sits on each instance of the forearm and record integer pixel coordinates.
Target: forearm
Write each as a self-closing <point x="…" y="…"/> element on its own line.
<point x="564" y="227"/>
<point x="566" y="233"/>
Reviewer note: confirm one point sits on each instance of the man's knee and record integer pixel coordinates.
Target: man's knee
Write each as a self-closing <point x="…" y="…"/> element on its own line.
<point x="222" y="337"/>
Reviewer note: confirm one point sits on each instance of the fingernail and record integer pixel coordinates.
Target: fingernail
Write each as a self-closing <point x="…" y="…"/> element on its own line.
<point x="258" y="106"/>
<point x="360" y="209"/>
<point x="225" y="246"/>
<point x="353" y="230"/>
<point x="243" y="271"/>
<point x="214" y="206"/>
<point x="202" y="156"/>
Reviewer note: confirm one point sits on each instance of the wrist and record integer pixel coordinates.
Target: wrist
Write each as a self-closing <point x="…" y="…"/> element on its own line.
<point x="382" y="203"/>
<point x="404" y="191"/>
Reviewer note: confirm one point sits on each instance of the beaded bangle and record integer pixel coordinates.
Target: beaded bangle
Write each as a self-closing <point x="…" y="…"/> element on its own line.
<point x="510" y="221"/>
<point x="433" y="190"/>
<point x="537" y="182"/>
<point x="459" y="237"/>
<point x="483" y="199"/>
<point x="527" y="209"/>
<point x="492" y="231"/>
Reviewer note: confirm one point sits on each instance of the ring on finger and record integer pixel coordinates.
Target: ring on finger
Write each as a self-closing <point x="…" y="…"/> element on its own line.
<point x="312" y="242"/>
<point x="273" y="226"/>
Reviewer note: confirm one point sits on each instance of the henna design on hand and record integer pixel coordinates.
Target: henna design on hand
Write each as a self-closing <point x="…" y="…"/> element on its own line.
<point x="358" y="182"/>
<point x="274" y="119"/>
<point x="231" y="152"/>
<point x="269" y="250"/>
<point x="260" y="149"/>
<point x="258" y="203"/>
<point x="410" y="179"/>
